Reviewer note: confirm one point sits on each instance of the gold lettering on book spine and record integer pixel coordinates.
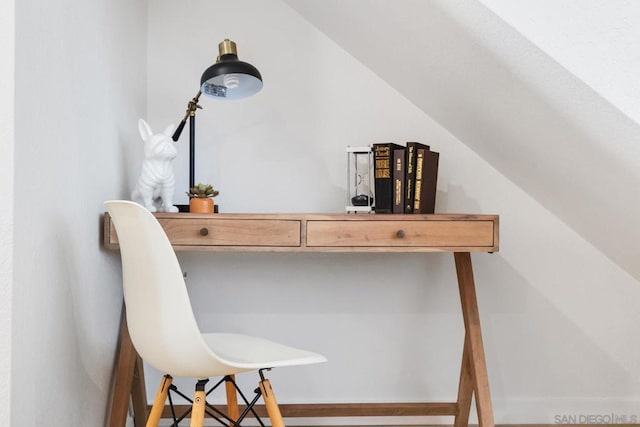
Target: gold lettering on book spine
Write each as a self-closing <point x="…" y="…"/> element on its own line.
<point x="419" y="161"/>
<point x="383" y="168"/>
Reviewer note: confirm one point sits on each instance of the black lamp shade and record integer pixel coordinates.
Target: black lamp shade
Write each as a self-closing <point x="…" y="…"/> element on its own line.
<point x="230" y="78"/>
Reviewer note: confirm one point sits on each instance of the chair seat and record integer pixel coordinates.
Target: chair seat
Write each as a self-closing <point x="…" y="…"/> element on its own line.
<point x="244" y="352"/>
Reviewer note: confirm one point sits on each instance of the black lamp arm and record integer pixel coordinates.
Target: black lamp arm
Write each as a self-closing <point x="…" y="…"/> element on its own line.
<point x="192" y="106"/>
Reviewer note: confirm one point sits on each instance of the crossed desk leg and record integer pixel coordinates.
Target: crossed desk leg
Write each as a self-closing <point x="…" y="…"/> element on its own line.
<point x="129" y="382"/>
<point x="473" y="373"/>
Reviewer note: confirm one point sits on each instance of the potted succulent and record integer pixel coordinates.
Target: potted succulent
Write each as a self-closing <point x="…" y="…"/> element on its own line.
<point x="201" y="198"/>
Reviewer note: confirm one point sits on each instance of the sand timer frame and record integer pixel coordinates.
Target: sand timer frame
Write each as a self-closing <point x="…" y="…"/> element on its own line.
<point x="360" y="179"/>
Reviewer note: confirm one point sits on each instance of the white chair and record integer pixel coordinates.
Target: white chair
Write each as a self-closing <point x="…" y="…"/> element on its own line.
<point x="164" y="331"/>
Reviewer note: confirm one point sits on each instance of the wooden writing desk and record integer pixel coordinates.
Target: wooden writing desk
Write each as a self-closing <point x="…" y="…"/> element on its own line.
<point x="459" y="234"/>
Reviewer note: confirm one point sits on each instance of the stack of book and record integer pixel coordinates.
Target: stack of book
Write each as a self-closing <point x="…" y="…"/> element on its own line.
<point x="405" y="178"/>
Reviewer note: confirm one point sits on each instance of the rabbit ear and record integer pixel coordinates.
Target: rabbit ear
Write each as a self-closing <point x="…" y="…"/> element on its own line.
<point x="169" y="130"/>
<point x="145" y="130"/>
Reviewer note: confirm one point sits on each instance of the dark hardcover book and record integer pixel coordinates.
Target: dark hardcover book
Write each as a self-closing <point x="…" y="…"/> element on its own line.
<point x="426" y="181"/>
<point x="383" y="182"/>
<point x="410" y="180"/>
<point x="399" y="158"/>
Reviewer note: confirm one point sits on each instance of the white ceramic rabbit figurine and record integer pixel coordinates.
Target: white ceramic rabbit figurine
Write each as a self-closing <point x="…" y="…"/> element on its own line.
<point x="156" y="182"/>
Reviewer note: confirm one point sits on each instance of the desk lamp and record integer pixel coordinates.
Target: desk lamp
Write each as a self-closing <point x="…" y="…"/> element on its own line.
<point x="227" y="79"/>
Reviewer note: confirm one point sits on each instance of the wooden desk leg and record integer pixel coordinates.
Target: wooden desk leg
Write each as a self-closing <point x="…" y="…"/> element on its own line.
<point x="465" y="389"/>
<point x="129" y="381"/>
<point x="473" y="351"/>
<point x="139" y="394"/>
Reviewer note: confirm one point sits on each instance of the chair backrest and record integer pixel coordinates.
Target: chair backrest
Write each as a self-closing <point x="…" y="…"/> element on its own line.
<point x="161" y="323"/>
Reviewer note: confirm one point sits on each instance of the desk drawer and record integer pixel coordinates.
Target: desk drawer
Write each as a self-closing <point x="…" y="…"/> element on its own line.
<point x="232" y="232"/>
<point x="446" y="234"/>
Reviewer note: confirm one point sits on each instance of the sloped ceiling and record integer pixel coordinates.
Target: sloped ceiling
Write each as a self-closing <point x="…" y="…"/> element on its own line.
<point x="535" y="122"/>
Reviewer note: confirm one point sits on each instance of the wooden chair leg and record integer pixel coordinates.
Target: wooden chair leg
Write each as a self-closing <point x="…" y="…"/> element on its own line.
<point x="199" y="405"/>
<point x="233" y="411"/>
<point x="158" y="402"/>
<point x="271" y="404"/>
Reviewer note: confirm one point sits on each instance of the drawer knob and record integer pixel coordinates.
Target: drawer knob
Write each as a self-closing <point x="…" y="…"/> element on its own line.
<point x="400" y="234"/>
<point x="204" y="231"/>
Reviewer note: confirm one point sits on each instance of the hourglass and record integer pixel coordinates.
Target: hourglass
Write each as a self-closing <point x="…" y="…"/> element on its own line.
<point x="360" y="182"/>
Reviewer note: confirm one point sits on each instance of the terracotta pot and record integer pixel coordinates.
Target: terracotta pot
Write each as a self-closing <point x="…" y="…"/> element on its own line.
<point x="201" y="205"/>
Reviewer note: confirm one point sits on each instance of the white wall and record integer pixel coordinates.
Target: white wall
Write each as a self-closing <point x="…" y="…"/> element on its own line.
<point x="80" y="79"/>
<point x="541" y="117"/>
<point x="590" y="38"/>
<point x="549" y="300"/>
<point x="7" y="78"/>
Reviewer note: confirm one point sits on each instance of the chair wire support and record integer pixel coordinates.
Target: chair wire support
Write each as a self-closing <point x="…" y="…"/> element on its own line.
<point x="211" y="410"/>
